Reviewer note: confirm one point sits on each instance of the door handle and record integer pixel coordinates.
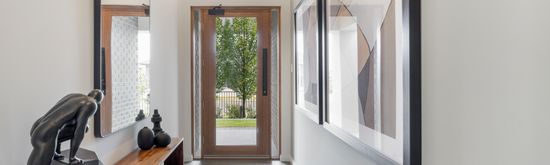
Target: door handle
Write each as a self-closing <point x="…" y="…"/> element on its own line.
<point x="264" y="71"/>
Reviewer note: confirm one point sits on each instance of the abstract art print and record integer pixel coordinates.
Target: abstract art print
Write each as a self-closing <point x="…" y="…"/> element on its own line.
<point x="368" y="77"/>
<point x="307" y="44"/>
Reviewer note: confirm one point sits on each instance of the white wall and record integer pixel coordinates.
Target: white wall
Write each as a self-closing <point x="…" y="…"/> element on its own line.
<point x="485" y="82"/>
<point x="46" y="56"/>
<point x="315" y="145"/>
<point x="184" y="62"/>
<point x="164" y="72"/>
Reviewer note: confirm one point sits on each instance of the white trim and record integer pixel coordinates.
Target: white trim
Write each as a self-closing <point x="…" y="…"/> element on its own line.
<point x="314" y="117"/>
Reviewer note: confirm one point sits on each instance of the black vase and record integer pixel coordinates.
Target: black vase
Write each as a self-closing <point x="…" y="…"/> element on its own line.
<point x="146" y="138"/>
<point x="162" y="139"/>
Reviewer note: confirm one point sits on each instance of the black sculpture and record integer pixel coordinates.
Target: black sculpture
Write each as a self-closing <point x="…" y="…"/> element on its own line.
<point x="156" y="119"/>
<point x="67" y="120"/>
<point x="162" y="139"/>
<point x="140" y="115"/>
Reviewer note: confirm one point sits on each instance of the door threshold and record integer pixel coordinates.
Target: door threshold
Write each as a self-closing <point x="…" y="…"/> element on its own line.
<point x="237" y="157"/>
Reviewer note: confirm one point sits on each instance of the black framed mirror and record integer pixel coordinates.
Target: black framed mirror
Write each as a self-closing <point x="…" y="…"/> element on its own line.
<point x="121" y="63"/>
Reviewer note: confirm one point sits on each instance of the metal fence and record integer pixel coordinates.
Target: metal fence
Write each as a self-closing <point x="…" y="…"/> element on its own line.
<point x="227" y="99"/>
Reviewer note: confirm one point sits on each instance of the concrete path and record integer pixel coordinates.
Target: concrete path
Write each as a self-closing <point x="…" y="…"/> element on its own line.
<point x="236" y="136"/>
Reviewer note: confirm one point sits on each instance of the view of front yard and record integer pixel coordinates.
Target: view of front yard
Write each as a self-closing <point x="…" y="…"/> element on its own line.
<point x="225" y="123"/>
<point x="236" y="66"/>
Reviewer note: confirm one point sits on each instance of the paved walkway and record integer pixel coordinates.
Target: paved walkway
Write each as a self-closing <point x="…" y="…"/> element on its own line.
<point x="236" y="136"/>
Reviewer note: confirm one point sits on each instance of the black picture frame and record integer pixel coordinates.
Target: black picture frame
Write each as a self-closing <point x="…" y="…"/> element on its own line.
<point x="99" y="70"/>
<point x="412" y="115"/>
<point x="319" y="117"/>
<point x="413" y="132"/>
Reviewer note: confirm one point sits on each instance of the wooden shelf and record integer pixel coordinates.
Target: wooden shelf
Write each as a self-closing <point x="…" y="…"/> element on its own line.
<point x="170" y="155"/>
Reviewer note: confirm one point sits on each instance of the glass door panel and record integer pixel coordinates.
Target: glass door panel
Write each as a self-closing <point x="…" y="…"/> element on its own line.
<point x="236" y="79"/>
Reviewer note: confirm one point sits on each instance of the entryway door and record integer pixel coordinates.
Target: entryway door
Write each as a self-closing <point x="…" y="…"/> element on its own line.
<point x="236" y="83"/>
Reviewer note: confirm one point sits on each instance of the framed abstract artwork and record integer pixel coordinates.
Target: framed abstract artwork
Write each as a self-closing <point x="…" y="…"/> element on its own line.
<point x="372" y="77"/>
<point x="308" y="58"/>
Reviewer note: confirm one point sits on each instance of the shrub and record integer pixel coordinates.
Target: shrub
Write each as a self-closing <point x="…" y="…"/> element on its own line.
<point x="250" y="113"/>
<point x="219" y="112"/>
<point x="234" y="111"/>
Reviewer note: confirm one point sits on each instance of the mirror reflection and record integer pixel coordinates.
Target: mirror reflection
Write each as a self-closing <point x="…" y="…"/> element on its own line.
<point x="125" y="44"/>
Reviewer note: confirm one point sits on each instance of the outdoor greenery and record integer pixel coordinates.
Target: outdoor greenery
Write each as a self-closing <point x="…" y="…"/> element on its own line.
<point x="236" y="48"/>
<point x="143" y="89"/>
<point x="219" y="113"/>
<point x="235" y="111"/>
<point x="224" y="123"/>
<point x="250" y="113"/>
<point x="225" y="53"/>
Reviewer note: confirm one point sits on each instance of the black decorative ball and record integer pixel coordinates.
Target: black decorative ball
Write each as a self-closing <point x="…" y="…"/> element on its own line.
<point x="162" y="139"/>
<point x="146" y="138"/>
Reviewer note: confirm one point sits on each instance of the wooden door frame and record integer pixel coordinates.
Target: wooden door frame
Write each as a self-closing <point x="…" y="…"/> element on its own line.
<point x="103" y="118"/>
<point x="262" y="150"/>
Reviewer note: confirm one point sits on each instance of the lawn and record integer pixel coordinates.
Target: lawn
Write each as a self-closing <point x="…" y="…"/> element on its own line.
<point x="223" y="123"/>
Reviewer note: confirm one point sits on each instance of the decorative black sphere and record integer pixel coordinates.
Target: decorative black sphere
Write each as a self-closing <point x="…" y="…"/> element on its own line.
<point x="162" y="139"/>
<point x="146" y="138"/>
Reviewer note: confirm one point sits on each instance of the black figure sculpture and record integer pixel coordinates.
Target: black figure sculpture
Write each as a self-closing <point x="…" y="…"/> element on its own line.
<point x="67" y="120"/>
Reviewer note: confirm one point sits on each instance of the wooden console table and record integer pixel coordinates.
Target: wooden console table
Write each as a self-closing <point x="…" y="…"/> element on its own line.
<point x="170" y="155"/>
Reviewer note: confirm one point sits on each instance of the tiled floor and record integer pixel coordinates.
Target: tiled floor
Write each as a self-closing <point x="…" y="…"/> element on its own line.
<point x="236" y="162"/>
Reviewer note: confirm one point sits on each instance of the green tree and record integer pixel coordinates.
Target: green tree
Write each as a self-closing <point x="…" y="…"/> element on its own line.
<point x="237" y="57"/>
<point x="225" y="51"/>
<point x="244" y="79"/>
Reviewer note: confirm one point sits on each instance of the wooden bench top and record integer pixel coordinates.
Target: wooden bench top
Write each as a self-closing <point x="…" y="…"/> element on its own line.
<point x="154" y="156"/>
